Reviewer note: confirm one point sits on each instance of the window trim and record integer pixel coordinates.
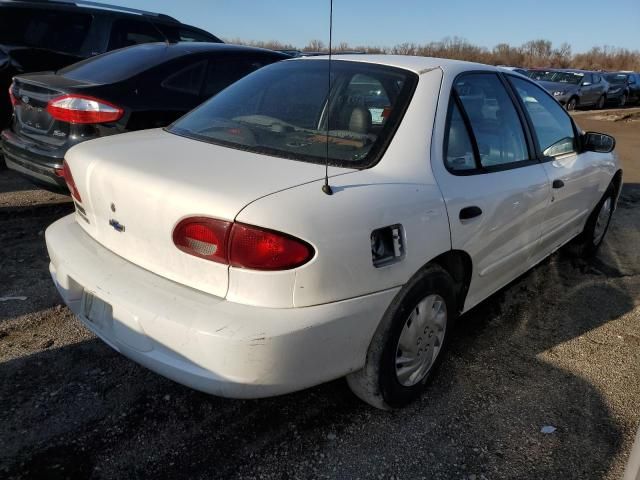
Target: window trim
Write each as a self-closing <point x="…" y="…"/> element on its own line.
<point x="481" y="169"/>
<point x="577" y="148"/>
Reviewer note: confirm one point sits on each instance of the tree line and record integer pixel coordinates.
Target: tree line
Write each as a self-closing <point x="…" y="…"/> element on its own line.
<point x="534" y="53"/>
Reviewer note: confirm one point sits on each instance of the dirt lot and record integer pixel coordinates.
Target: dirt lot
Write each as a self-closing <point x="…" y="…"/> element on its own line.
<point x="559" y="347"/>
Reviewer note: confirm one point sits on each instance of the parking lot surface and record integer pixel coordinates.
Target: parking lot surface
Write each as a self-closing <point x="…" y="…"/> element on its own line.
<point x="556" y="351"/>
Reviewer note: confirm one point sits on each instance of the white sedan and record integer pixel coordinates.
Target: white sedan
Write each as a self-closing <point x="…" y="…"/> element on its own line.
<point x="215" y="252"/>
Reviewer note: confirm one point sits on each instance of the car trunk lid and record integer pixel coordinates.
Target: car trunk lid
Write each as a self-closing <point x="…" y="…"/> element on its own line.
<point x="33" y="93"/>
<point x="136" y="187"/>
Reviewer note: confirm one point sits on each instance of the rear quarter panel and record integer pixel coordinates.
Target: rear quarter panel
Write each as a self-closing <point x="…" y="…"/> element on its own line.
<point x="400" y="189"/>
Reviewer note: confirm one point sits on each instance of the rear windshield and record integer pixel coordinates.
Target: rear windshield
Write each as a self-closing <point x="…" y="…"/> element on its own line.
<point x="281" y="110"/>
<point x="120" y="65"/>
<point x="52" y="30"/>
<point x="572" y="78"/>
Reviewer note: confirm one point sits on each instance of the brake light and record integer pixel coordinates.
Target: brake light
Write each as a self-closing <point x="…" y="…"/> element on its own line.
<point x="14" y="100"/>
<point x="71" y="184"/>
<point x="83" y="109"/>
<point x="203" y="237"/>
<point x="240" y="245"/>
<point x="259" y="249"/>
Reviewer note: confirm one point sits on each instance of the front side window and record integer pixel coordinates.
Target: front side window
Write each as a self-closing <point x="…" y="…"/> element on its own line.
<point x="552" y="125"/>
<point x="285" y="110"/>
<point x="494" y="120"/>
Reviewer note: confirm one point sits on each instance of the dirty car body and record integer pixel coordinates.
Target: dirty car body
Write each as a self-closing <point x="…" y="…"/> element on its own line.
<point x="233" y="271"/>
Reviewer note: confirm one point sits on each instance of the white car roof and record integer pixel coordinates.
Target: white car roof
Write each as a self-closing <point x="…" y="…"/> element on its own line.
<point x="408" y="62"/>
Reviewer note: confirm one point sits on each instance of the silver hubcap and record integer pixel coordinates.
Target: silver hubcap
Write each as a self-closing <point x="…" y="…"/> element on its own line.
<point x="421" y="340"/>
<point x="602" y="221"/>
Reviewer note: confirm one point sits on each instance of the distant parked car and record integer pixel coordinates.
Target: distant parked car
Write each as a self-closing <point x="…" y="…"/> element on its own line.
<point x="48" y="35"/>
<point x="573" y="88"/>
<point x="624" y="88"/>
<point x="217" y="253"/>
<point x="143" y="86"/>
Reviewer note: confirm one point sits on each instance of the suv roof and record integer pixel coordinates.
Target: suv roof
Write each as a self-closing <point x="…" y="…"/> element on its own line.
<point x="92" y="6"/>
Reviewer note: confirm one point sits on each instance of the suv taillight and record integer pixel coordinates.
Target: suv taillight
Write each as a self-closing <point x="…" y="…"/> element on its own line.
<point x="240" y="245"/>
<point x="12" y="97"/>
<point x="71" y="184"/>
<point x="83" y="109"/>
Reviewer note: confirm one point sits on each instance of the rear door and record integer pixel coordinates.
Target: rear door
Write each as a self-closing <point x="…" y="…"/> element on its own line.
<point x="496" y="192"/>
<point x="574" y="176"/>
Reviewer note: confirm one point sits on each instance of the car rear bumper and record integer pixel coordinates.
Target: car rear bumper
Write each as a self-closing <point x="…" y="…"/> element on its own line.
<point x="203" y="341"/>
<point x="31" y="161"/>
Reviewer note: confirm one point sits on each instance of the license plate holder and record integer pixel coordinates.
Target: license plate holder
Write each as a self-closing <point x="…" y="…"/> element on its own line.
<point x="95" y="310"/>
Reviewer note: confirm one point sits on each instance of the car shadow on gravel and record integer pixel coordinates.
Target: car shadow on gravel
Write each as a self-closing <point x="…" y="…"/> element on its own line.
<point x="82" y="410"/>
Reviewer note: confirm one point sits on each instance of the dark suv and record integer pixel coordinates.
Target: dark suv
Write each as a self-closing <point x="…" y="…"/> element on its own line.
<point x="48" y="35"/>
<point x="624" y="88"/>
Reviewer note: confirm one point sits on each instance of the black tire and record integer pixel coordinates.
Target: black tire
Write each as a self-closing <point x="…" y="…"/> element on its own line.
<point x="586" y="244"/>
<point x="623" y="100"/>
<point x="601" y="102"/>
<point x="571" y="104"/>
<point x="377" y="383"/>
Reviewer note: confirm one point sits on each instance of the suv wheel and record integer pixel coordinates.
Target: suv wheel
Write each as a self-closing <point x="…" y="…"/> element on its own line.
<point x="572" y="104"/>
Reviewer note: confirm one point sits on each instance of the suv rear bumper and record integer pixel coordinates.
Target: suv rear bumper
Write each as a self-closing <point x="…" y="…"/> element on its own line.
<point x="203" y="341"/>
<point x="29" y="160"/>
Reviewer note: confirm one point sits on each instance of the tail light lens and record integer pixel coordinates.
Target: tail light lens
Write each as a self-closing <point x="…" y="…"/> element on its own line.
<point x="71" y="184"/>
<point x="240" y="245"/>
<point x="12" y="97"/>
<point x="83" y="109"/>
<point x="259" y="249"/>
<point x="203" y="237"/>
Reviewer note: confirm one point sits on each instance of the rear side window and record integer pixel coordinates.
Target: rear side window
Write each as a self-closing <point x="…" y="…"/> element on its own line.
<point x="225" y="70"/>
<point x="459" y="154"/>
<point x="125" y="32"/>
<point x="552" y="125"/>
<point x="52" y="30"/>
<point x="188" y="80"/>
<point x="493" y="118"/>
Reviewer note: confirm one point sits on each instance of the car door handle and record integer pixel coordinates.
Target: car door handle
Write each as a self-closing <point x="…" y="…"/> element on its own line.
<point x="557" y="184"/>
<point x="468" y="213"/>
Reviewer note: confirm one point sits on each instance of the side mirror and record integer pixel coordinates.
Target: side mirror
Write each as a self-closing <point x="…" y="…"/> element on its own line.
<point x="586" y="84"/>
<point x="598" y="142"/>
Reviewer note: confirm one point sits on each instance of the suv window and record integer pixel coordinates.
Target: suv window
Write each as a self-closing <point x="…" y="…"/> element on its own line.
<point x="588" y="78"/>
<point x="552" y="125"/>
<point x="126" y="32"/>
<point x="223" y="71"/>
<point x="596" y="78"/>
<point x="52" y="30"/>
<point x="177" y="33"/>
<point x="493" y="118"/>
<point x="188" y="80"/>
<point x="459" y="154"/>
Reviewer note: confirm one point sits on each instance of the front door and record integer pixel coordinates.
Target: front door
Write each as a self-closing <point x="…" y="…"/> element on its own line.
<point x="574" y="176"/>
<point x="495" y="190"/>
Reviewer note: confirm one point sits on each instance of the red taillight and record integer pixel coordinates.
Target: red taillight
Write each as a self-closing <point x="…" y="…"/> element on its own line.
<point x="12" y="97"/>
<point x="203" y="237"/>
<point x="83" y="109"/>
<point x="259" y="249"/>
<point x="240" y="245"/>
<point x="71" y="184"/>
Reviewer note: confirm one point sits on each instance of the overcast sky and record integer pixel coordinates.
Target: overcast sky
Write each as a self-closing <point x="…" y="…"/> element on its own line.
<point x="581" y="23"/>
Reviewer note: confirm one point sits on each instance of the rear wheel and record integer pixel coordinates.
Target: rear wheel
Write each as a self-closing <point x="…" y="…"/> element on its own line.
<point x="407" y="347"/>
<point x="623" y="100"/>
<point x="572" y="104"/>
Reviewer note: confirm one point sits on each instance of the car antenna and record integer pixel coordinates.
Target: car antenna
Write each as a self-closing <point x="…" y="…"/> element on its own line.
<point x="326" y="188"/>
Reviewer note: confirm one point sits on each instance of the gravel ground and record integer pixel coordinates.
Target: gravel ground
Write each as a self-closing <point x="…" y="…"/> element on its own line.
<point x="559" y="347"/>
